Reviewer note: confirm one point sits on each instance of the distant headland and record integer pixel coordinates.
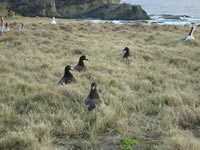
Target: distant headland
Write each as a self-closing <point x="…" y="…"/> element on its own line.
<point x="97" y="9"/>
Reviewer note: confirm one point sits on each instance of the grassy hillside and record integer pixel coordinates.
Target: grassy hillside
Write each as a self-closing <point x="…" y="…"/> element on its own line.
<point x="151" y="102"/>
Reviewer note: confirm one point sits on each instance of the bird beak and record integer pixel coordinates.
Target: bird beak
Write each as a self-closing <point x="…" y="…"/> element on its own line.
<point x="71" y="69"/>
<point x="86" y="59"/>
<point x="123" y="50"/>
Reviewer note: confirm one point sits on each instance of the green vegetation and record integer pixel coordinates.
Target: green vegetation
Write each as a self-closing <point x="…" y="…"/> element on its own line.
<point x="135" y="144"/>
<point x="152" y="101"/>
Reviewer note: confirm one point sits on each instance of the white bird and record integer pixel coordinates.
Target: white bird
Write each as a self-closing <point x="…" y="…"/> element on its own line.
<point x="190" y="35"/>
<point x="149" y="22"/>
<point x="21" y="27"/>
<point x="53" y="21"/>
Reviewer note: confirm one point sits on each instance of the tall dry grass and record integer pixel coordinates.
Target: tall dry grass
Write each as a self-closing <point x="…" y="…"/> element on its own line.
<point x="153" y="98"/>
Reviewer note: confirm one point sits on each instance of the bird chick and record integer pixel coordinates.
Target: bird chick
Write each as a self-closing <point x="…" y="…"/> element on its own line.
<point x="93" y="99"/>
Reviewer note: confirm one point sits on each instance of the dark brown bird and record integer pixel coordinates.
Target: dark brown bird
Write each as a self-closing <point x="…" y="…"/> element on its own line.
<point x="93" y="99"/>
<point x="68" y="77"/>
<point x="81" y="66"/>
<point x="7" y="27"/>
<point x="127" y="52"/>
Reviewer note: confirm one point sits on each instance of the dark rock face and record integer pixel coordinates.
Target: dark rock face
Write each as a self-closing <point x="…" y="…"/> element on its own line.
<point x="117" y="12"/>
<point x="74" y="8"/>
<point x="34" y="8"/>
<point x="101" y="9"/>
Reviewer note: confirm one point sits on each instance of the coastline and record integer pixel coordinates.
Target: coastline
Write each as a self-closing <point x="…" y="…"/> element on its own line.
<point x="163" y="19"/>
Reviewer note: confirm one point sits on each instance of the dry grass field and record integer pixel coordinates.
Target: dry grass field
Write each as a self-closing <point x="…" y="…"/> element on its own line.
<point x="152" y="101"/>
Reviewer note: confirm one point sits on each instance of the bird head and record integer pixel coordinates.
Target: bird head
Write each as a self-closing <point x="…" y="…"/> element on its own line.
<point x="93" y="86"/>
<point x="83" y="57"/>
<point x="68" y="68"/>
<point x="126" y="49"/>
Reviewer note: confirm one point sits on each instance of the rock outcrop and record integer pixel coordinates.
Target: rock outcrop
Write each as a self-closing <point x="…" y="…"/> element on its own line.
<point x="117" y="12"/>
<point x="33" y="7"/>
<point x="75" y="8"/>
<point x="98" y="9"/>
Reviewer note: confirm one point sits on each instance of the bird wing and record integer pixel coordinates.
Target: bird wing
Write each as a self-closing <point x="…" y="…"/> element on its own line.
<point x="97" y="101"/>
<point x="73" y="79"/>
<point x="80" y="68"/>
<point x="86" y="101"/>
<point x="76" y="68"/>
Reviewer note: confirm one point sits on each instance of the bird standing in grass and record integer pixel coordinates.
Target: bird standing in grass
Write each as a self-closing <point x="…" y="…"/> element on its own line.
<point x="68" y="77"/>
<point x="81" y="66"/>
<point x="93" y="99"/>
<point x="190" y="35"/>
<point x="21" y="27"/>
<point x="53" y="21"/>
<point x="127" y="52"/>
<point x="7" y="28"/>
<point x="1" y="31"/>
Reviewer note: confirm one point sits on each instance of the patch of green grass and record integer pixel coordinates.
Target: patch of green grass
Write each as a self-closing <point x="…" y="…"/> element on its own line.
<point x="132" y="144"/>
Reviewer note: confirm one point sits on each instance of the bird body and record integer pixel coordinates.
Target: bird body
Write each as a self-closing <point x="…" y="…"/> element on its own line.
<point x="190" y="35"/>
<point x="93" y="99"/>
<point x="53" y="21"/>
<point x="68" y="77"/>
<point x="7" y="28"/>
<point x="81" y="66"/>
<point x="148" y="22"/>
<point x="127" y="52"/>
<point x="21" y="27"/>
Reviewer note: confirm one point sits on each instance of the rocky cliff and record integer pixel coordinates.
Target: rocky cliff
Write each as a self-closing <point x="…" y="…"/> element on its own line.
<point x="101" y="9"/>
<point x="117" y="12"/>
<point x="74" y="8"/>
<point x="33" y="7"/>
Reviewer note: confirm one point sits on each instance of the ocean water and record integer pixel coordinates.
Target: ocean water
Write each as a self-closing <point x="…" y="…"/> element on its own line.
<point x="155" y="8"/>
<point x="173" y="7"/>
